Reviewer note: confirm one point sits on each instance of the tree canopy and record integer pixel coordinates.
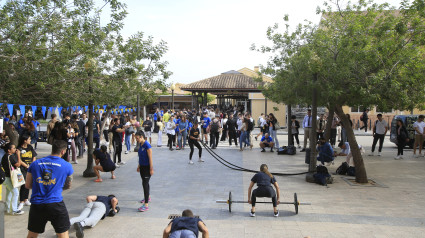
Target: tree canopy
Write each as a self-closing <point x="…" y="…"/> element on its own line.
<point x="45" y="46"/>
<point x="361" y="54"/>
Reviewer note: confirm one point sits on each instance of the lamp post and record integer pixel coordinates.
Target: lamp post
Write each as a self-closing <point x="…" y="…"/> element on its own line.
<point x="173" y="86"/>
<point x="89" y="172"/>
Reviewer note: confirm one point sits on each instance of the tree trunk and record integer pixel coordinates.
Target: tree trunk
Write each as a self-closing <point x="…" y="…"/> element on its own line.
<point x="329" y="122"/>
<point x="89" y="172"/>
<point x="289" y="125"/>
<point x="361" y="176"/>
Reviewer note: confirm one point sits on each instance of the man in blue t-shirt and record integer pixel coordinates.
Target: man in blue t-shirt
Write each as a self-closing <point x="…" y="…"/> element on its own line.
<point x="186" y="226"/>
<point x="47" y="177"/>
<point x="266" y="141"/>
<point x="326" y="153"/>
<point x="145" y="167"/>
<point x="205" y="124"/>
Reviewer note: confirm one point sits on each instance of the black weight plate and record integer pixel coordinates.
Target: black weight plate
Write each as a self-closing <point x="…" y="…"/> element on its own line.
<point x="296" y="203"/>
<point x="230" y="201"/>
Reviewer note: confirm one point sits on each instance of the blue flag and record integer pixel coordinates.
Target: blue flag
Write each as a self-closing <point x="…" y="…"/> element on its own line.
<point x="22" y="108"/>
<point x="34" y="108"/>
<point x="10" y="108"/>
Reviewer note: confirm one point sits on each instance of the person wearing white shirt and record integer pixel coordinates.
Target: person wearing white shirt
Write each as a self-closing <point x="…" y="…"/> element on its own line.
<point x="346" y="151"/>
<point x="262" y="123"/>
<point x="379" y="131"/>
<point x="307" y="123"/>
<point x="419" y="126"/>
<point x="170" y="128"/>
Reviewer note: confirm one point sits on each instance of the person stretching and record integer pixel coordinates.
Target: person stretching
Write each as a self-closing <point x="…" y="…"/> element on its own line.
<point x="145" y="167"/>
<point x="193" y="140"/>
<point x="103" y="163"/>
<point x="264" y="180"/>
<point x="96" y="209"/>
<point x="266" y="141"/>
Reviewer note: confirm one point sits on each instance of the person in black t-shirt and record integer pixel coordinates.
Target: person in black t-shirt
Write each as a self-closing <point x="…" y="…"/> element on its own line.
<point x="103" y="163"/>
<point x="148" y="129"/>
<point x="264" y="181"/>
<point x="117" y="130"/>
<point x="186" y="226"/>
<point x="27" y="155"/>
<point x="97" y="208"/>
<point x="194" y="140"/>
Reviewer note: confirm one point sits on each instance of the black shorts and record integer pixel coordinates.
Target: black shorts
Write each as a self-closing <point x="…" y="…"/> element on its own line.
<point x="204" y="130"/>
<point x="266" y="145"/>
<point x="56" y="213"/>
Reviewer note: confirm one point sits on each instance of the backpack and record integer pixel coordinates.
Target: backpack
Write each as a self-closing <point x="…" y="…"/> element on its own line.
<point x="342" y="169"/>
<point x="322" y="170"/>
<point x="2" y="175"/>
<point x="351" y="171"/>
<point x="250" y="125"/>
<point x="322" y="176"/>
<point x="282" y="150"/>
<point x="291" y="150"/>
<point x="214" y="127"/>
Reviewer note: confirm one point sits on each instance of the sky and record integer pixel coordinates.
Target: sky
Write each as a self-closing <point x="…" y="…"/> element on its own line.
<point x="206" y="38"/>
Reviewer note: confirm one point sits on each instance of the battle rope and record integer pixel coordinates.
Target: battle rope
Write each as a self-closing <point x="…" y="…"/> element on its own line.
<point x="238" y="168"/>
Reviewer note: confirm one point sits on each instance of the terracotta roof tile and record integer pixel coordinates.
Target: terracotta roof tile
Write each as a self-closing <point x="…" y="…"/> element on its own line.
<point x="226" y="81"/>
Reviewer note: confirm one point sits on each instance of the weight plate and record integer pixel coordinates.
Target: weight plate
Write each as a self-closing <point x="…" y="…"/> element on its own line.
<point x="230" y="201"/>
<point x="296" y="203"/>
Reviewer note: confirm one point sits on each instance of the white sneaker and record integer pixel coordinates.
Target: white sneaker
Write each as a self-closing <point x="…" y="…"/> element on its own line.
<point x="126" y="152"/>
<point x="276" y="214"/>
<point x="121" y="163"/>
<point x="19" y="212"/>
<point x="397" y="157"/>
<point x="371" y="154"/>
<point x="190" y="162"/>
<point x="379" y="153"/>
<point x="27" y="203"/>
<point x="400" y="157"/>
<point x="117" y="165"/>
<point x="201" y="160"/>
<point x="20" y="206"/>
<point x="252" y="214"/>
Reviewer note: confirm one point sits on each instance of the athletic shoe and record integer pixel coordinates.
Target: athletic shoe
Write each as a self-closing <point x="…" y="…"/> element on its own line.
<point x="401" y="157"/>
<point x="252" y="214"/>
<point x="397" y="157"/>
<point x="19" y="212"/>
<point x="143" y="201"/>
<point x="143" y="208"/>
<point x="121" y="163"/>
<point x="190" y="162"/>
<point x="75" y="162"/>
<point x="20" y="206"/>
<point x="117" y="165"/>
<point x="371" y="154"/>
<point x="303" y="150"/>
<point x="126" y="152"/>
<point x="271" y="150"/>
<point x="276" y="214"/>
<point x="79" y="230"/>
<point x="379" y="153"/>
<point x="201" y="160"/>
<point x="263" y="150"/>
<point x="27" y="203"/>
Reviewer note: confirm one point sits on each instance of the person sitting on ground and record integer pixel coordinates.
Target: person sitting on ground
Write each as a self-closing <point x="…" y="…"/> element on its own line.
<point x="266" y="141"/>
<point x="326" y="153"/>
<point x="186" y="226"/>
<point x="264" y="180"/>
<point x="103" y="162"/>
<point x="96" y="209"/>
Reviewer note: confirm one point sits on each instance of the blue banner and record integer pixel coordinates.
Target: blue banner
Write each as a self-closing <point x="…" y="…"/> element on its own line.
<point x="22" y="109"/>
<point x="34" y="108"/>
<point x="87" y="108"/>
<point x="43" y="110"/>
<point x="10" y="108"/>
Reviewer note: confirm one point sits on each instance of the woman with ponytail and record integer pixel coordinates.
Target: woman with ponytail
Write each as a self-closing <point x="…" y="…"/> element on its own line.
<point x="264" y="181"/>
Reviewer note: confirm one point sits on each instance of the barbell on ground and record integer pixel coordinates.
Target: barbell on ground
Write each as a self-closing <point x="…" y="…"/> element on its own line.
<point x="230" y="201"/>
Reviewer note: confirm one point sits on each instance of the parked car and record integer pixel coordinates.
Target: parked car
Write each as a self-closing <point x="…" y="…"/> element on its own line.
<point x="408" y="121"/>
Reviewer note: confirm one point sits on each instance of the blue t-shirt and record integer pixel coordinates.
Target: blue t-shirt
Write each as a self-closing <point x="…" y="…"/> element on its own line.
<point x="186" y="223"/>
<point x="6" y="119"/>
<point x="143" y="154"/>
<point x="49" y="191"/>
<point x="269" y="139"/>
<point x="207" y="122"/>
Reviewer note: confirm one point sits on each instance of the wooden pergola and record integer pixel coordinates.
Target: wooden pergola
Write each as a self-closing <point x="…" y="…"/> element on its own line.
<point x="226" y="86"/>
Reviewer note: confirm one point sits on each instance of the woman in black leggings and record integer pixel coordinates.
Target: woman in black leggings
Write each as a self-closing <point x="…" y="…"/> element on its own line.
<point x="264" y="181"/>
<point x="402" y="137"/>
<point x="193" y="140"/>
<point x="145" y="168"/>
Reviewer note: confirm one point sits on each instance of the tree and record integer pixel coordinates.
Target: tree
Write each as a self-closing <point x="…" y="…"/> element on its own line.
<point x="45" y="44"/>
<point x="363" y="54"/>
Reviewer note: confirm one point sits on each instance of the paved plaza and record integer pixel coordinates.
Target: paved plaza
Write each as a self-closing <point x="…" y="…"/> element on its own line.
<point x="338" y="210"/>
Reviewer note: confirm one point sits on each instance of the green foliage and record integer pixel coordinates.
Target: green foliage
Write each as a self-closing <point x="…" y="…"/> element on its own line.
<point x="44" y="46"/>
<point x="362" y="54"/>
